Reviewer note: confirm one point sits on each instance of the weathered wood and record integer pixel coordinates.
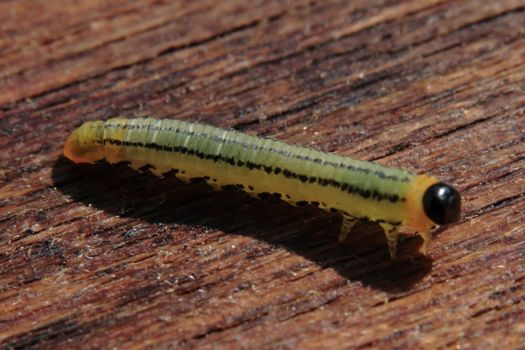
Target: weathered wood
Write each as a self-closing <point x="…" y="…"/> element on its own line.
<point x="102" y="256"/>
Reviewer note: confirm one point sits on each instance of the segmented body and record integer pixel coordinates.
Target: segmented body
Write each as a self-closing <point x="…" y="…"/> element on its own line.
<point x="299" y="175"/>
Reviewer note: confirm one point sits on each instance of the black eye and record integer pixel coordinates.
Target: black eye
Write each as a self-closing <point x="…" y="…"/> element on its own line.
<point x="442" y="203"/>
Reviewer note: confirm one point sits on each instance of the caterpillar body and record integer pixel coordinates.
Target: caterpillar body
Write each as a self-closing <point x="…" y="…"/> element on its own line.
<point x="356" y="189"/>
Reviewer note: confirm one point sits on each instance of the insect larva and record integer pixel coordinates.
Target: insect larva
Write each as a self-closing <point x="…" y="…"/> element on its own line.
<point x="355" y="189"/>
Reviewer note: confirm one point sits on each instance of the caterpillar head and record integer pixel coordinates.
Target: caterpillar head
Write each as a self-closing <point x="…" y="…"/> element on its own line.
<point x="442" y="203"/>
<point x="430" y="203"/>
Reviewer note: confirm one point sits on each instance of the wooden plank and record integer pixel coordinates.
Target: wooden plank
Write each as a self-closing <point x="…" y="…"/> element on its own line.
<point x="102" y="256"/>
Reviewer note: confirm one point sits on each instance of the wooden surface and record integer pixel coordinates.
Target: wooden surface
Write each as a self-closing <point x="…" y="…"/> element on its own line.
<point x="103" y="257"/>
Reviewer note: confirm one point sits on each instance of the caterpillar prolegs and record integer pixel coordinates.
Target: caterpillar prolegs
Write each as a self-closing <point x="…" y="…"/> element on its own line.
<point x="356" y="189"/>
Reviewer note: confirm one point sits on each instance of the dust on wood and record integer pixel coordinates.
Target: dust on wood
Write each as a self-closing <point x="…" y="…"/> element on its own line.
<point x="101" y="256"/>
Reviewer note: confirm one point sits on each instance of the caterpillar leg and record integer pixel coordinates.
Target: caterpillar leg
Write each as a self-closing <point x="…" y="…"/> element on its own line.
<point x="213" y="185"/>
<point x="427" y="238"/>
<point x="346" y="227"/>
<point x="158" y="171"/>
<point x="139" y="166"/>
<point x="391" y="232"/>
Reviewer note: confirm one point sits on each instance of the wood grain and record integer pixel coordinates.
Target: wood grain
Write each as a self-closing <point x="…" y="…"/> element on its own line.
<point x="103" y="257"/>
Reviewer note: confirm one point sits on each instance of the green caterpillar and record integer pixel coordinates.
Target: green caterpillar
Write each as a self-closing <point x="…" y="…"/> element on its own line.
<point x="356" y="189"/>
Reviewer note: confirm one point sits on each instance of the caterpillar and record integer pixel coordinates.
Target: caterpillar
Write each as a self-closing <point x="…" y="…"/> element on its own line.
<point x="355" y="189"/>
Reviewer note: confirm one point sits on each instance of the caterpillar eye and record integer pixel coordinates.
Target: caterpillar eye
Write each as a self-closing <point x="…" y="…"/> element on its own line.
<point x="442" y="203"/>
